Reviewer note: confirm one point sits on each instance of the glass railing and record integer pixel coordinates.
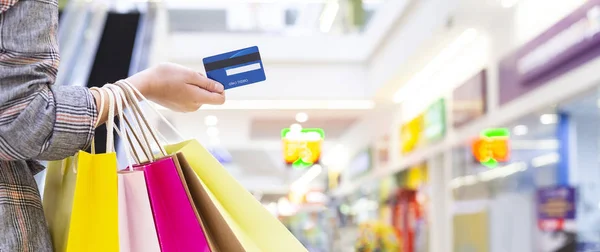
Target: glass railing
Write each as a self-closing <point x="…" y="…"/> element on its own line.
<point x="284" y="17"/>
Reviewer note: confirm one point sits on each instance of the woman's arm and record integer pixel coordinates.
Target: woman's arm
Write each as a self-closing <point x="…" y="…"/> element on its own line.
<point x="41" y="121"/>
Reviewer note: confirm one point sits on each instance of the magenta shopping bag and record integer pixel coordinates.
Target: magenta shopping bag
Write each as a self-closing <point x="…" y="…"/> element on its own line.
<point x="175" y="218"/>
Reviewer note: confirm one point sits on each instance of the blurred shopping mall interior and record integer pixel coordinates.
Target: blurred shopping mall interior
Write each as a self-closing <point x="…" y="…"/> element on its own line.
<point x="383" y="125"/>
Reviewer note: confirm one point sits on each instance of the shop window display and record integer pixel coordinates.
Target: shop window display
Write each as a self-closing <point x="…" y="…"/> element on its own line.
<point x="546" y="197"/>
<point x="583" y="116"/>
<point x="501" y="201"/>
<point x="409" y="208"/>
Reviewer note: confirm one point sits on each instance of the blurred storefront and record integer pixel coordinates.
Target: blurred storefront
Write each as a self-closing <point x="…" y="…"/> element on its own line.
<point x="530" y="185"/>
<point x="531" y="201"/>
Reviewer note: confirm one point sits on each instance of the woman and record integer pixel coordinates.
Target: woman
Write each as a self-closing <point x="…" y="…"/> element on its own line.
<point x="39" y="121"/>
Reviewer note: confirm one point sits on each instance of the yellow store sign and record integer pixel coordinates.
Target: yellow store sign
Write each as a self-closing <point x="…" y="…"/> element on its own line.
<point x="410" y="134"/>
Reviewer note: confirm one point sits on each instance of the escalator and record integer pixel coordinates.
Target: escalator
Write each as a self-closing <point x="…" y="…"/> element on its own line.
<point x="113" y="57"/>
<point x="99" y="46"/>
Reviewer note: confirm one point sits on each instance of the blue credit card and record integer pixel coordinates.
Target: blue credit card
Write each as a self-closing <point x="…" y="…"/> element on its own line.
<point x="235" y="69"/>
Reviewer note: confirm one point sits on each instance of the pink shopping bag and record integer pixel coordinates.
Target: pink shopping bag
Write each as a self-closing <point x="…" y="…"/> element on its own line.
<point x="137" y="232"/>
<point x="175" y="218"/>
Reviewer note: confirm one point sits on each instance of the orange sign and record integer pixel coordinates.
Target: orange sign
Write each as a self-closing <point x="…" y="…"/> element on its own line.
<point x="303" y="148"/>
<point x="492" y="147"/>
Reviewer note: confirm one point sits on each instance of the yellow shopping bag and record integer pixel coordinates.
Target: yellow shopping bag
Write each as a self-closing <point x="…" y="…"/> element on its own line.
<point x="94" y="222"/>
<point x="80" y="198"/>
<point x="58" y="199"/>
<point x="222" y="232"/>
<point x="80" y="203"/>
<point x="255" y="227"/>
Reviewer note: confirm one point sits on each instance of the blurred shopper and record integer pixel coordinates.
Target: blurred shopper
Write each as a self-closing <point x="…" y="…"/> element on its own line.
<point x="39" y="121"/>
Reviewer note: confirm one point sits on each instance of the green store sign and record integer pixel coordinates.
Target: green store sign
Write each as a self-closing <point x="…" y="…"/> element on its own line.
<point x="434" y="121"/>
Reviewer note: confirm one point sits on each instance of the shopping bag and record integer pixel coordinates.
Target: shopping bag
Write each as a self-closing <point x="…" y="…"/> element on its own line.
<point x="176" y="222"/>
<point x="220" y="233"/>
<point x="209" y="238"/>
<point x="137" y="232"/>
<point x="136" y="223"/>
<point x="58" y="199"/>
<point x="94" y="220"/>
<point x="256" y="226"/>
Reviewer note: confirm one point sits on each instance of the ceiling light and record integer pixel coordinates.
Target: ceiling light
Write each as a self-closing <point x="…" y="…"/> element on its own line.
<point x="211" y="120"/>
<point x="295" y="128"/>
<point x="544" y="160"/>
<point x="212" y="132"/>
<point x="301" y="117"/>
<point x="520" y="130"/>
<point x="549" y="119"/>
<point x="438" y="63"/>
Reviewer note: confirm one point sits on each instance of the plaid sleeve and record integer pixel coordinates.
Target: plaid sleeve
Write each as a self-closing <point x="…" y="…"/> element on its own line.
<point x="5" y="4"/>
<point x="47" y="124"/>
<point x="38" y="120"/>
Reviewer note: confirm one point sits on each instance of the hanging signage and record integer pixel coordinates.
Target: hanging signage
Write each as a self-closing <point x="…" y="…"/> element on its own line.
<point x="568" y="44"/>
<point x="556" y="217"/>
<point x="428" y="127"/>
<point x="434" y="121"/>
<point x="302" y="148"/>
<point x="492" y="147"/>
<point x="410" y="134"/>
<point x="469" y="100"/>
<point x="555" y="206"/>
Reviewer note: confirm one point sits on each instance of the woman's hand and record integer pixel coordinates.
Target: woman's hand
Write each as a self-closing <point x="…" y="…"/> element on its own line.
<point x="172" y="86"/>
<point x="178" y="88"/>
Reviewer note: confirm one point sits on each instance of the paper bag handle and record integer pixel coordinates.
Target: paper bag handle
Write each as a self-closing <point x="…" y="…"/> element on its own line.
<point x="124" y="131"/>
<point x="136" y="93"/>
<point x="141" y="117"/>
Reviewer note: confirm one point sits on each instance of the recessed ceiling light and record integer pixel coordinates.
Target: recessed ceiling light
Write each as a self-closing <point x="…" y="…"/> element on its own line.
<point x="520" y="130"/>
<point x="212" y="132"/>
<point x="301" y="117"/>
<point x="211" y="120"/>
<point x="549" y="118"/>
<point x="295" y="127"/>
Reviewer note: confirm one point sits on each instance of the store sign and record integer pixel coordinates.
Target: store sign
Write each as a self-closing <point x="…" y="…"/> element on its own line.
<point x="410" y="134"/>
<point x="492" y="147"/>
<point x="567" y="45"/>
<point x="302" y="149"/>
<point x="435" y="121"/>
<point x="425" y="128"/>
<point x="469" y="100"/>
<point x="555" y="207"/>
